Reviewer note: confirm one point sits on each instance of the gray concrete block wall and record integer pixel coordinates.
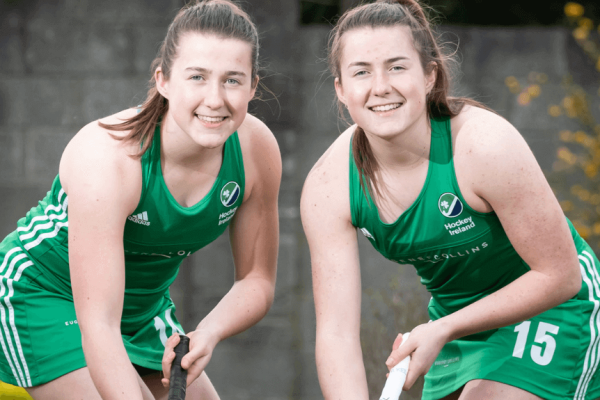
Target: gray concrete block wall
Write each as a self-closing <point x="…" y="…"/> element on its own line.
<point x="67" y="62"/>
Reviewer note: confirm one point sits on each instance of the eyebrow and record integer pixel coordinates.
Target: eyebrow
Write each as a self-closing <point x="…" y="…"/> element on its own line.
<point x="207" y="71"/>
<point x="366" y="64"/>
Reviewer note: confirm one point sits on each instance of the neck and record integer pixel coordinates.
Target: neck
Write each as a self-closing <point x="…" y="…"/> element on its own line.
<point x="404" y="150"/>
<point x="177" y="148"/>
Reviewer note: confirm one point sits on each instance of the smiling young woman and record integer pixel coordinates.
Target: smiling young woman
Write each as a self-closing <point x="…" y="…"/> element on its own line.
<point x="88" y="314"/>
<point x="450" y="187"/>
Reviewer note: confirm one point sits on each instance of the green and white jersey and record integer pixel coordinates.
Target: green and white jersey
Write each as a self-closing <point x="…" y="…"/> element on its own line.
<point x="461" y="255"/>
<point x="158" y="236"/>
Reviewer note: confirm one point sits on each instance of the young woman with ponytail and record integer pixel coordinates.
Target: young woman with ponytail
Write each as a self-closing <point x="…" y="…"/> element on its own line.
<point x="85" y="309"/>
<point x="452" y="188"/>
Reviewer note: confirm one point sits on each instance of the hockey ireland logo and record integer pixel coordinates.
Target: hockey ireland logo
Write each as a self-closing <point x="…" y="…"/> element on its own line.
<point x="450" y="205"/>
<point x="230" y="193"/>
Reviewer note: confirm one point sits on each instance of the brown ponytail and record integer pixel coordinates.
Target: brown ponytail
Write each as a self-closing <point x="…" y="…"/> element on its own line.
<point x="220" y="17"/>
<point x="388" y="13"/>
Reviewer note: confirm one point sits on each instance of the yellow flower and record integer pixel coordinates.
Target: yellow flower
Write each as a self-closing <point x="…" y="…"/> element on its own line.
<point x="586" y="23"/>
<point x="580" y="33"/>
<point x="574" y="9"/>
<point x="566" y="205"/>
<point x="566" y="155"/>
<point x="576" y="189"/>
<point x="524" y="99"/>
<point x="554" y="111"/>
<point x="580" y="136"/>
<point x="565" y="135"/>
<point x="591" y="171"/>
<point x="511" y="81"/>
<point x="513" y="84"/>
<point x="583" y="230"/>
<point x="584" y="195"/>
<point x="589" y="142"/>
<point x="568" y="102"/>
<point x="534" y="91"/>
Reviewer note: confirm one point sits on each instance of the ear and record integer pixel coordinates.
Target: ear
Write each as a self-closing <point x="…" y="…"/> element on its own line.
<point x="339" y="90"/>
<point x="430" y="76"/>
<point x="162" y="83"/>
<point x="254" y="86"/>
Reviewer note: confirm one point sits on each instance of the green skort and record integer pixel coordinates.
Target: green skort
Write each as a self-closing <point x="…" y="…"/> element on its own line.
<point x="554" y="355"/>
<point x="39" y="333"/>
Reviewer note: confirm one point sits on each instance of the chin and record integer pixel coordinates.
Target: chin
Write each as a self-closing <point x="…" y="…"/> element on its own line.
<point x="211" y="141"/>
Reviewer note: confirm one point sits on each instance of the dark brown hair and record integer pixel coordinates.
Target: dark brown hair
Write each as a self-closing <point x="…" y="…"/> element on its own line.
<point x="388" y="13"/>
<point x="219" y="17"/>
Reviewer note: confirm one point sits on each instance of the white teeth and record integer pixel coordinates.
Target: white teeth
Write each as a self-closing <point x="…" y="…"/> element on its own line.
<point x="386" y="108"/>
<point x="210" y="119"/>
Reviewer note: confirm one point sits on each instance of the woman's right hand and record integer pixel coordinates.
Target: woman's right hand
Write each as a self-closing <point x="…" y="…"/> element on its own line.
<point x="423" y="345"/>
<point x="202" y="344"/>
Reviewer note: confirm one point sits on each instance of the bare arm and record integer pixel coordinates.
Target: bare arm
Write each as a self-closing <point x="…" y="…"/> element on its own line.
<point x="505" y="174"/>
<point x="103" y="188"/>
<point x="254" y="236"/>
<point x="325" y="208"/>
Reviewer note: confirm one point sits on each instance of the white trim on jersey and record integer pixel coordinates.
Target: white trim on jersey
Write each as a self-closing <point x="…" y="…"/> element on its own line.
<point x="46" y="235"/>
<point x="37" y="223"/>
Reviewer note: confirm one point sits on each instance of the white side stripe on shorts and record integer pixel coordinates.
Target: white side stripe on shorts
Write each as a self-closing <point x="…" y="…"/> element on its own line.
<point x="590" y="363"/>
<point x="162" y="330"/>
<point x="11" y="313"/>
<point x="11" y="258"/>
<point x="171" y="323"/>
<point x="23" y="379"/>
<point x="8" y="356"/>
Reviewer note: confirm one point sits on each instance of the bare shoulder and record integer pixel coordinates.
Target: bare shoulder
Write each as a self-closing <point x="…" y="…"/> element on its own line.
<point x="262" y="158"/>
<point x="94" y="152"/>
<point x="333" y="166"/>
<point x="326" y="189"/>
<point x="255" y="136"/>
<point x="492" y="159"/>
<point x="478" y="132"/>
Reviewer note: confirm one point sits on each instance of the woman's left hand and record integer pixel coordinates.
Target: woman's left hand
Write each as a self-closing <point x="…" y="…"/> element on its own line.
<point x="423" y="346"/>
<point x="202" y="344"/>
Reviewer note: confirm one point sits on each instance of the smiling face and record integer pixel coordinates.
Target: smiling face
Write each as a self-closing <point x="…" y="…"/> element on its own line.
<point x="208" y="89"/>
<point x="382" y="81"/>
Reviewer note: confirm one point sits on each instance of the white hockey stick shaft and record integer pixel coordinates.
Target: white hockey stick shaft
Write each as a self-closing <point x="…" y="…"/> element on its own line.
<point x="396" y="378"/>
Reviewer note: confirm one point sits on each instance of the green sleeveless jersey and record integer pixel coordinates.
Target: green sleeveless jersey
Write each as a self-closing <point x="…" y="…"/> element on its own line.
<point x="460" y="254"/>
<point x="158" y="235"/>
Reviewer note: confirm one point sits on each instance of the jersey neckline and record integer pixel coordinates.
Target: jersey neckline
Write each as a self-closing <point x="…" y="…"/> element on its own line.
<point x="421" y="193"/>
<point x="158" y="162"/>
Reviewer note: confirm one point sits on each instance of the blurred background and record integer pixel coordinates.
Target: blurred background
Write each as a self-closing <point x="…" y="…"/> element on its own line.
<point x="64" y="63"/>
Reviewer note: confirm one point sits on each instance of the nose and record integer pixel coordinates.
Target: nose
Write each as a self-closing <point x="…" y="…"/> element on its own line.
<point x="381" y="84"/>
<point x="214" y="96"/>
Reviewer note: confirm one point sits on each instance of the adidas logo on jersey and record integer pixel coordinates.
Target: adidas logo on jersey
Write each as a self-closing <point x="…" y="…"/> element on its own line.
<point x="141" y="218"/>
